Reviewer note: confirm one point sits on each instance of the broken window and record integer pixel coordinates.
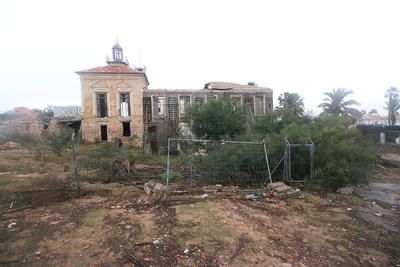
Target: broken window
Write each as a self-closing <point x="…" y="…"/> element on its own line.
<point x="248" y="104"/>
<point x="101" y="101"/>
<point x="198" y="101"/>
<point x="158" y="105"/>
<point x="211" y="98"/>
<point x="236" y="102"/>
<point x="259" y="105"/>
<point x="103" y="132"/>
<point x="184" y="103"/>
<point x="268" y="104"/>
<point x="125" y="105"/>
<point x="126" y="129"/>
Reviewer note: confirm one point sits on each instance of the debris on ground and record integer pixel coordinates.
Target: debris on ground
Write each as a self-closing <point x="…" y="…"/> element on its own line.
<point x="347" y="190"/>
<point x="282" y="189"/>
<point x="251" y="196"/>
<point x="186" y="251"/>
<point x="148" y="187"/>
<point x="11" y="225"/>
<point x="10" y="146"/>
<point x="349" y="209"/>
<point x="204" y="196"/>
<point x="152" y="187"/>
<point x="378" y="214"/>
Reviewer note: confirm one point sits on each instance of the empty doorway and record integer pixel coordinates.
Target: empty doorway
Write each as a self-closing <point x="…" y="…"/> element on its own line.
<point x="103" y="132"/>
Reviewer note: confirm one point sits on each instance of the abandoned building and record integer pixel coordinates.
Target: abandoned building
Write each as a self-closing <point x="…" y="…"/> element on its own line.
<point x="116" y="101"/>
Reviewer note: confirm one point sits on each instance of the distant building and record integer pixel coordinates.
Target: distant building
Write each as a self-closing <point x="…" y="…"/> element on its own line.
<point x="374" y="119"/>
<point x="116" y="101"/>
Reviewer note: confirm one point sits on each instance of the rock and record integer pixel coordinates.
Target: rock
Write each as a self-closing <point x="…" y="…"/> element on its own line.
<point x="157" y="187"/>
<point x="10" y="146"/>
<point x="148" y="187"/>
<point x="347" y="190"/>
<point x="156" y="242"/>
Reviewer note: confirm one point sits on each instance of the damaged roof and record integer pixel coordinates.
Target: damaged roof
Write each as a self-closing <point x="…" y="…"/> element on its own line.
<point x="234" y="86"/>
<point x="67" y="111"/>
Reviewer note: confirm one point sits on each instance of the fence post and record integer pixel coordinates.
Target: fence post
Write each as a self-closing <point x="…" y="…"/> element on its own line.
<point x="266" y="158"/>
<point x="168" y="153"/>
<point x="382" y="138"/>
<point x="76" y="175"/>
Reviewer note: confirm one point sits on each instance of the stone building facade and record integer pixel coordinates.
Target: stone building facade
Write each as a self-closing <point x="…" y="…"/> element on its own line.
<point x="116" y="101"/>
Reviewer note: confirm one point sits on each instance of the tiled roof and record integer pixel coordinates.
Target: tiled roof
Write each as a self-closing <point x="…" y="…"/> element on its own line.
<point x="111" y="68"/>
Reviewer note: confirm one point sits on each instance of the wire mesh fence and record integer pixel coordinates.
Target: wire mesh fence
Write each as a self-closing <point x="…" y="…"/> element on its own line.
<point x="199" y="162"/>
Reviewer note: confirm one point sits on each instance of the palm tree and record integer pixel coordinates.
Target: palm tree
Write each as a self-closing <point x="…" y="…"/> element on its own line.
<point x="335" y="104"/>
<point x="293" y="102"/>
<point x="392" y="104"/>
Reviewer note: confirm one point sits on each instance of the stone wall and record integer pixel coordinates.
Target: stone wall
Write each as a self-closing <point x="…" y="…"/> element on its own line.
<point x="112" y="85"/>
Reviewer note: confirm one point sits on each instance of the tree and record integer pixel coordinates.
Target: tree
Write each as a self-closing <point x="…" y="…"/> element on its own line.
<point x="373" y="111"/>
<point x="293" y="102"/>
<point x="335" y="104"/>
<point x="392" y="104"/>
<point x="217" y="119"/>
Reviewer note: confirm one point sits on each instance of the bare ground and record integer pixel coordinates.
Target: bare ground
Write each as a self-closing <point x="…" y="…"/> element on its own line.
<point x="106" y="223"/>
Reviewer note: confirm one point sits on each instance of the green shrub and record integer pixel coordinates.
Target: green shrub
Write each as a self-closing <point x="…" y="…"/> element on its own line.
<point x="342" y="155"/>
<point x="105" y="163"/>
<point x="173" y="175"/>
<point x="218" y="119"/>
<point x="59" y="140"/>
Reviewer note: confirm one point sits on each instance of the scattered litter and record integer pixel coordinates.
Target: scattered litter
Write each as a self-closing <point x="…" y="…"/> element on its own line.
<point x="378" y="214"/>
<point x="347" y="190"/>
<point x="37" y="253"/>
<point x="204" y="196"/>
<point x="349" y="209"/>
<point x="251" y="196"/>
<point x="12" y="204"/>
<point x="156" y="242"/>
<point x="186" y="251"/>
<point x="11" y="225"/>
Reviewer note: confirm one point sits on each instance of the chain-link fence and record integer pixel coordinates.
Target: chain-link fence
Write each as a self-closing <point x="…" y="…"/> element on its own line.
<point x="198" y="162"/>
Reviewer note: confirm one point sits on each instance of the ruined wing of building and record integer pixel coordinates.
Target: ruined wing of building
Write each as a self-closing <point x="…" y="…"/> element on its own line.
<point x="117" y="104"/>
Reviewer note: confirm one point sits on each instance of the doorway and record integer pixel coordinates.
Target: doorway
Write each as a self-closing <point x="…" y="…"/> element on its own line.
<point x="103" y="132"/>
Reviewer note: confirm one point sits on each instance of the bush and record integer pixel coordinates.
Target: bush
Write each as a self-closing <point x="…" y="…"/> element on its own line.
<point x="218" y="119"/>
<point x="173" y="175"/>
<point x="107" y="163"/>
<point x="342" y="155"/>
<point x="59" y="140"/>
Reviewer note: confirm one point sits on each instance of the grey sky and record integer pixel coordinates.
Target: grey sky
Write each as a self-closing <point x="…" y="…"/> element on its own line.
<point x="307" y="47"/>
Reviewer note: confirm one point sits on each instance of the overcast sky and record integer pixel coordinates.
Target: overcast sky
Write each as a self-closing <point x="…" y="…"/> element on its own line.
<point x="308" y="47"/>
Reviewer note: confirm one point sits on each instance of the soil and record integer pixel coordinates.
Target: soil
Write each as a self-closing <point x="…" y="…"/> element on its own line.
<point x="105" y="223"/>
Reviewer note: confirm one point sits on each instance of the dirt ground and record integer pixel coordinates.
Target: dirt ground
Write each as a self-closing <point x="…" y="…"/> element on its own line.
<point x="119" y="225"/>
